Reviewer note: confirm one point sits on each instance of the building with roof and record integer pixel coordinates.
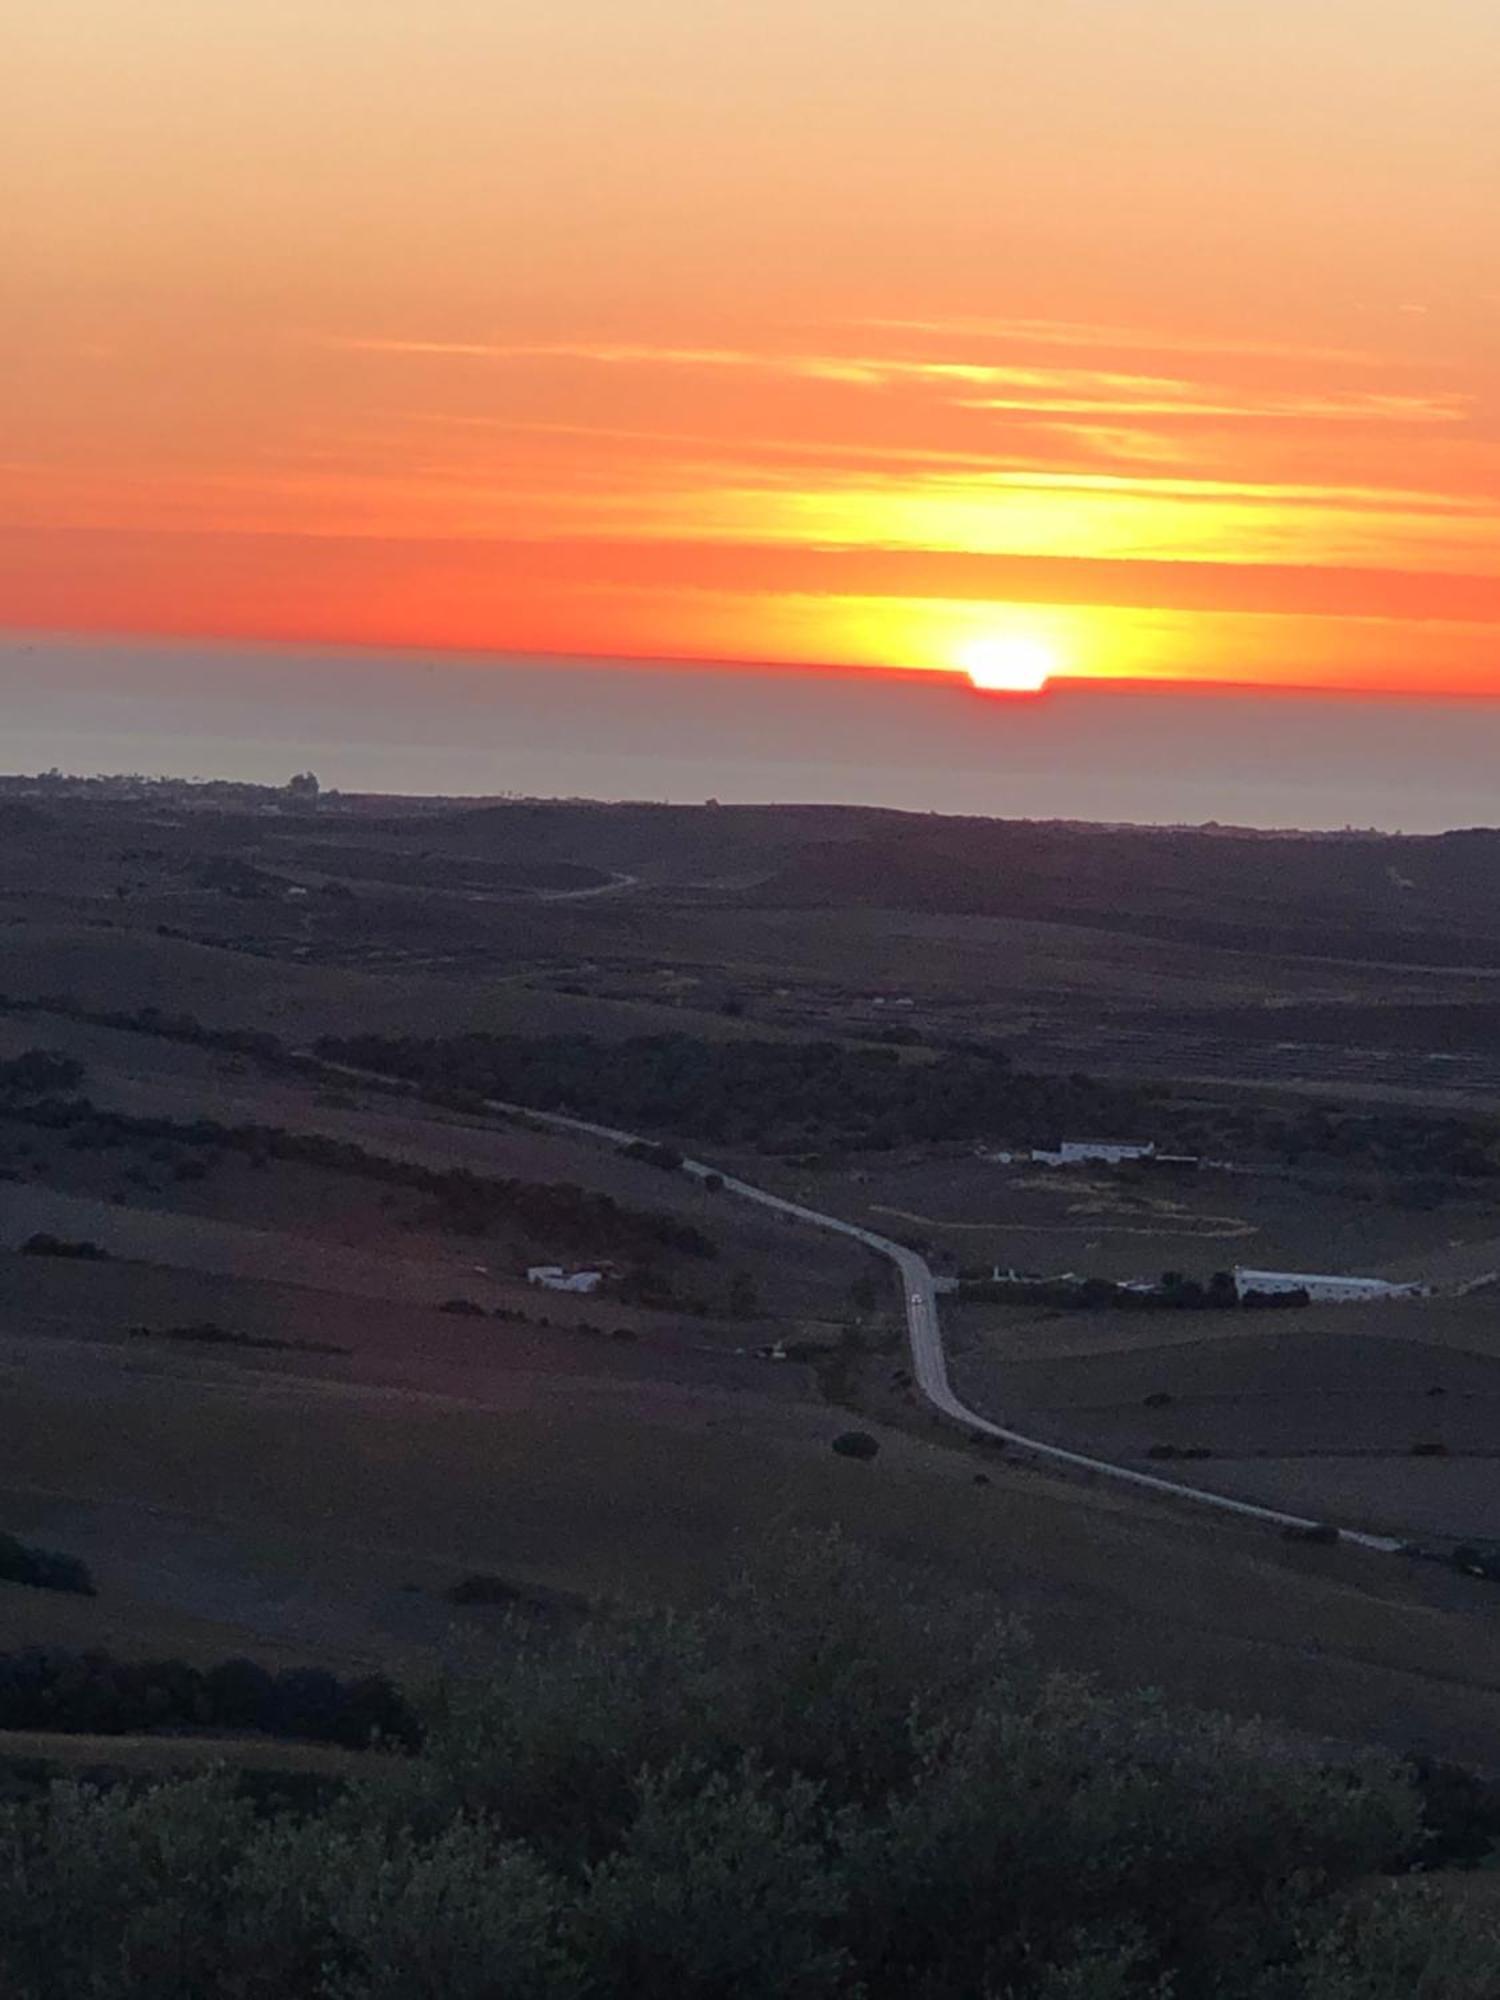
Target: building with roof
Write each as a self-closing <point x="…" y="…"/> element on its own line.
<point x="1323" y="1290"/>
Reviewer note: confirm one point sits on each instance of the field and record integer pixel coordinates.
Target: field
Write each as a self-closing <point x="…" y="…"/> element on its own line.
<point x="333" y="1518"/>
<point x="1374" y="1418"/>
<point x="255" y="1422"/>
<point x="1137" y="1222"/>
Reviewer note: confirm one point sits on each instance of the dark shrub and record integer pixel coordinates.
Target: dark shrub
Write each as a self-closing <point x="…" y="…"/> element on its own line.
<point x="856" y="1444"/>
<point x="481" y="1589"/>
<point x="1460" y="1811"/>
<point x="42" y="1244"/>
<point x="43" y="1569"/>
<point x="373" y="1711"/>
<point x="305" y="1701"/>
<point x="239" y="1694"/>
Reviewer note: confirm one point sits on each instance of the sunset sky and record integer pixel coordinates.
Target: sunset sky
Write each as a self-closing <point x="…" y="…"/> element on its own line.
<point x="1161" y="337"/>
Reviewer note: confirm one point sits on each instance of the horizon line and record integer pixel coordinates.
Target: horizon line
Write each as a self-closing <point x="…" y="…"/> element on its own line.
<point x="954" y="678"/>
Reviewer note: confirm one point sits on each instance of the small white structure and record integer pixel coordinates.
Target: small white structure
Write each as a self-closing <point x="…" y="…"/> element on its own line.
<point x="1323" y="1290"/>
<point x="1102" y="1152"/>
<point x="553" y="1278"/>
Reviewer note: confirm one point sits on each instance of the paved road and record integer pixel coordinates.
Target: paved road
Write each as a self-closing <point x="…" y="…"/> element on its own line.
<point x="924" y="1331"/>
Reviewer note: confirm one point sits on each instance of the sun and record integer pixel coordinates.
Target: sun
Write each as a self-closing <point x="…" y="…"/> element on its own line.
<point x="1009" y="665"/>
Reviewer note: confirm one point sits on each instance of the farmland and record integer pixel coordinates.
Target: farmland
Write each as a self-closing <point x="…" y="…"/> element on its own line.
<point x="306" y="1390"/>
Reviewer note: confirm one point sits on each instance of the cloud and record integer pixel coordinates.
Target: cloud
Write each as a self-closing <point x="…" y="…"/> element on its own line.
<point x="1189" y="401"/>
<point x="1016" y="389"/>
<point x="1102" y="335"/>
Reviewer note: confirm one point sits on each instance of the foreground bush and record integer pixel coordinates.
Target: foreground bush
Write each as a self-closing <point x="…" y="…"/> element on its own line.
<point x="51" y="1687"/>
<point x="820" y="1787"/>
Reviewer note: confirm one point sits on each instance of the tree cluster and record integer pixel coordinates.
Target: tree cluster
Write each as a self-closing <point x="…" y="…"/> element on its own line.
<point x="1174" y="1292"/>
<point x="92" y="1693"/>
<point x="820" y="1788"/>
<point x="550" y="1212"/>
<point x="152" y="1021"/>
<point x="783" y="1096"/>
<point x="44" y="1244"/>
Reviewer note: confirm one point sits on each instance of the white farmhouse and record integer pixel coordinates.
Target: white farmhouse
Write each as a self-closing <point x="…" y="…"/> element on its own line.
<point x="1102" y="1152"/>
<point x="1323" y="1290"/>
<point x="553" y="1278"/>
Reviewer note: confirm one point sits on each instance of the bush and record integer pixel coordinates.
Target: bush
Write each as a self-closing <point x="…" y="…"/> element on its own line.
<point x="785" y="1097"/>
<point x="481" y="1589"/>
<point x="548" y="1212"/>
<point x="42" y="1244"/>
<point x="93" y="1693"/>
<point x="43" y="1569"/>
<point x="856" y="1444"/>
<point x="824" y="1785"/>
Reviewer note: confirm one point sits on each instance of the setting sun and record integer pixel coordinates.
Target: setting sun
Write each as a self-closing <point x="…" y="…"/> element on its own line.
<point x="1013" y="665"/>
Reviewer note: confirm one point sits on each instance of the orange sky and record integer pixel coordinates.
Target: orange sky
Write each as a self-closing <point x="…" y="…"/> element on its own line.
<point x="1162" y="334"/>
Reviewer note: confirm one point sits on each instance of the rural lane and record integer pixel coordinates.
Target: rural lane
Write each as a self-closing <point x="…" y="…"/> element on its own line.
<point x="923" y="1325"/>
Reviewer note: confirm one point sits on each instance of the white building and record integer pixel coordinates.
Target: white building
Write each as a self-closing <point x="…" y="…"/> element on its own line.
<point x="1105" y="1152"/>
<point x="553" y="1278"/>
<point x="1323" y="1290"/>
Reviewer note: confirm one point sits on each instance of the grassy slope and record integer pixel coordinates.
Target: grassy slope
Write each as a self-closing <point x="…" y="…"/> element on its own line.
<point x="350" y="1493"/>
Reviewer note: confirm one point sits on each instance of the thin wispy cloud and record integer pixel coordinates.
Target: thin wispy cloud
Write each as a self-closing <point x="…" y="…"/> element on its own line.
<point x="1061" y="391"/>
<point x="1190" y="402"/>
<point x="1114" y="338"/>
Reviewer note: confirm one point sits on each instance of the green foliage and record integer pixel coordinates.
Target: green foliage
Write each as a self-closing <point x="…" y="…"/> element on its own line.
<point x="824" y="1784"/>
<point x="549" y="1212"/>
<point x="52" y="1687"/>
<point x="722" y="1884"/>
<point x="1409" y="1943"/>
<point x="778" y="1095"/>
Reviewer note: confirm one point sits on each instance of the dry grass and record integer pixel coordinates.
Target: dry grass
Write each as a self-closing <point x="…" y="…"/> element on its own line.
<point x="306" y="1507"/>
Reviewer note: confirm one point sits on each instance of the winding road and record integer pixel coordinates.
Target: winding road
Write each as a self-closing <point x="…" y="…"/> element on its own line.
<point x="923" y="1326"/>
